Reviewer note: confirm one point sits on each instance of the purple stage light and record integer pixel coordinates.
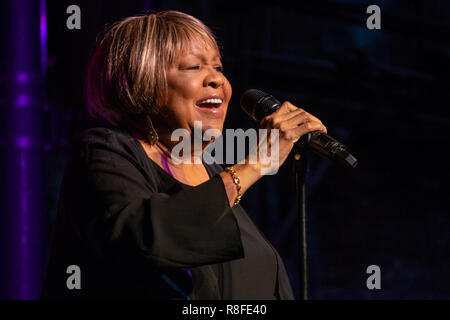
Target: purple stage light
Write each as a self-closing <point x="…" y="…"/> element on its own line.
<point x="25" y="219"/>
<point x="43" y="33"/>
<point x="23" y="142"/>
<point x="22" y="100"/>
<point x="22" y="77"/>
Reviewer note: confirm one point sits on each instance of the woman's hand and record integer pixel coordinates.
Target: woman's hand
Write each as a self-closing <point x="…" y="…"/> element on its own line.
<point x="292" y="123"/>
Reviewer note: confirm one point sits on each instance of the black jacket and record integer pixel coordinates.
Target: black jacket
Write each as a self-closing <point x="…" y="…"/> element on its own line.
<point x="133" y="230"/>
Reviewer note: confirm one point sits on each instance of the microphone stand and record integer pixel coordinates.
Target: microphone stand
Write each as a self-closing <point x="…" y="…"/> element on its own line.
<point x="300" y="163"/>
<point x="300" y="167"/>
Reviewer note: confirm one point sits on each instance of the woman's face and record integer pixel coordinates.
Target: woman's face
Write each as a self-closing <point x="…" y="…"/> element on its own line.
<point x="197" y="91"/>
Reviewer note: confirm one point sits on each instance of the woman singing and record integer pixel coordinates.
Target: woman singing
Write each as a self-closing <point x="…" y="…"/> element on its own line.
<point x="135" y="222"/>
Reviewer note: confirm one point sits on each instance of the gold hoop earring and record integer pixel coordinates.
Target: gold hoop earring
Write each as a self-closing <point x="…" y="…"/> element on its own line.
<point x="152" y="136"/>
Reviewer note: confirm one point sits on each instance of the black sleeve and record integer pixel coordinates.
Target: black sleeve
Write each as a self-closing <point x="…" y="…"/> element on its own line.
<point x="126" y="215"/>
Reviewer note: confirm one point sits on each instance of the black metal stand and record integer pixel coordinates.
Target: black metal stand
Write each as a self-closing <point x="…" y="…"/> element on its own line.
<point x="300" y="175"/>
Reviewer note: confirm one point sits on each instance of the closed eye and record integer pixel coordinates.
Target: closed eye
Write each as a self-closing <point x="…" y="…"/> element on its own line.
<point x="193" y="68"/>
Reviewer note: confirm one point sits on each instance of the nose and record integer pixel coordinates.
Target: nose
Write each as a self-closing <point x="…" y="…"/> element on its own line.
<point x="214" y="79"/>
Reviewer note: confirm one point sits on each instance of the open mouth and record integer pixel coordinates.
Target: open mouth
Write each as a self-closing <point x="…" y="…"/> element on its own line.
<point x="209" y="103"/>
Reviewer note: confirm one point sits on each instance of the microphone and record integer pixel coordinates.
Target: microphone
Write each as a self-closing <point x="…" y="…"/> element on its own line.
<point x="258" y="104"/>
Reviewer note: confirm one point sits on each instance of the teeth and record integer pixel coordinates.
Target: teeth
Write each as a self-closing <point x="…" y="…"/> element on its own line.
<point x="211" y="101"/>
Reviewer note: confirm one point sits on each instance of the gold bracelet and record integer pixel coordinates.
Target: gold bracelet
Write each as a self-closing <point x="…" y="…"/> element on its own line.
<point x="237" y="182"/>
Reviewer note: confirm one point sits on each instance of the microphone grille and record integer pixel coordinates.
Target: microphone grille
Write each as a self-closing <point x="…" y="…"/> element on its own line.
<point x="249" y="99"/>
<point x="253" y="97"/>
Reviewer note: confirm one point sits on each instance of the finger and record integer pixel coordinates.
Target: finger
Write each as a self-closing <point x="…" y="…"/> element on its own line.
<point x="288" y="110"/>
<point x="277" y="118"/>
<point x="291" y="107"/>
<point x="309" y="115"/>
<point x="295" y="121"/>
<point x="295" y="133"/>
<point x="312" y="117"/>
<point x="286" y="107"/>
<point x="295" y="111"/>
<point x="291" y="114"/>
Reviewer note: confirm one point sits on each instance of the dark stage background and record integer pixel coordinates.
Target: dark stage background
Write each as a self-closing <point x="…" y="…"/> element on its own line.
<point x="384" y="93"/>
